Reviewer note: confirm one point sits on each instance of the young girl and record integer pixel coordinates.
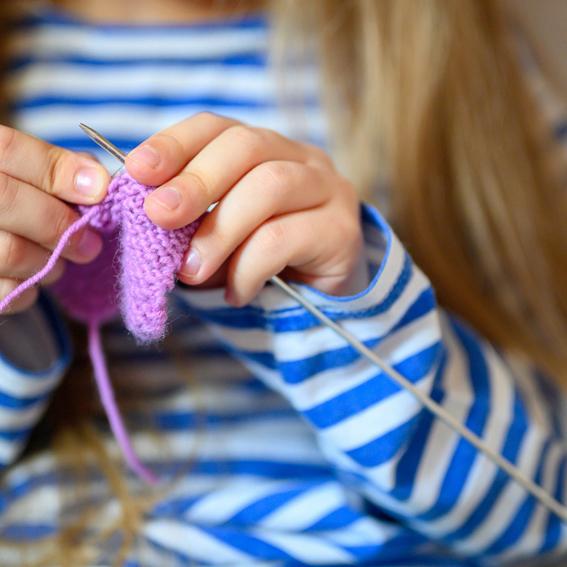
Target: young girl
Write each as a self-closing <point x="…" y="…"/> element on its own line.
<point x="273" y="440"/>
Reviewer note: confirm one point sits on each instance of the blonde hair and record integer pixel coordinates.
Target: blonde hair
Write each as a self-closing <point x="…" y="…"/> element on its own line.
<point x="427" y="95"/>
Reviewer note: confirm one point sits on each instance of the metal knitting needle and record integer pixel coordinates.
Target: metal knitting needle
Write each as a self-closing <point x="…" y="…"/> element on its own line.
<point x="538" y="492"/>
<point x="105" y="144"/>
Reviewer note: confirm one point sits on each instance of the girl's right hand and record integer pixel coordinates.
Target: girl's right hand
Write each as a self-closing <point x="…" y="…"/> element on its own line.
<point x="35" y="180"/>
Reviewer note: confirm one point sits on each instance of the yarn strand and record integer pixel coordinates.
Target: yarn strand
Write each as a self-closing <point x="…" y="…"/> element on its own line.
<point x="136" y="285"/>
<point x="50" y="264"/>
<point x="95" y="351"/>
<point x="106" y="392"/>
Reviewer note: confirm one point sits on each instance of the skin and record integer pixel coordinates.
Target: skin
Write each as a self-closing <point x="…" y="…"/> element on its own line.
<point x="36" y="181"/>
<point x="265" y="221"/>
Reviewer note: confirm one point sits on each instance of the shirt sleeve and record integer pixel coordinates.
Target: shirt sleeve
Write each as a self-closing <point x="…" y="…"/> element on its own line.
<point x="383" y="443"/>
<point x="34" y="354"/>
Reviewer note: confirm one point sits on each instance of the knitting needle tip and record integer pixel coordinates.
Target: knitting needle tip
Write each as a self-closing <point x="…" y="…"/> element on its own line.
<point x="105" y="144"/>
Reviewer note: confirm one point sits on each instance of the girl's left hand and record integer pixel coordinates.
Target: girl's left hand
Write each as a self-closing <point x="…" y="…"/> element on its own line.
<point x="282" y="206"/>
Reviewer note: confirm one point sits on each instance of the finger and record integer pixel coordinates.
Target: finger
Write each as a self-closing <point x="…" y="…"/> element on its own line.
<point x="294" y="242"/>
<point x="21" y="303"/>
<point x="166" y="153"/>
<point x="239" y="149"/>
<point x="53" y="275"/>
<point x="89" y="156"/>
<point x="270" y="189"/>
<point x="280" y="242"/>
<point x="20" y="258"/>
<point x="28" y="212"/>
<point x="54" y="170"/>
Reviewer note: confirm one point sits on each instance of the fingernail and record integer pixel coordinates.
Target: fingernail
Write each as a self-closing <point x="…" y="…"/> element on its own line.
<point x="146" y="155"/>
<point x="167" y="197"/>
<point x="192" y="263"/>
<point x="89" y="181"/>
<point x="89" y="244"/>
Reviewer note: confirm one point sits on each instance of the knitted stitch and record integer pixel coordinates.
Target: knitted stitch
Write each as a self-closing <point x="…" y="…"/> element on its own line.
<point x="145" y="256"/>
<point x="134" y="271"/>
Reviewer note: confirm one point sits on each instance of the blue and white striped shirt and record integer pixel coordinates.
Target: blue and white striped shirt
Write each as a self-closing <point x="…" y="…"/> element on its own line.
<point x="276" y="443"/>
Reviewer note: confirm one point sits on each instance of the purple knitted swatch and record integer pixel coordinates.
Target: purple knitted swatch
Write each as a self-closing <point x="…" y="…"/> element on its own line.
<point x="134" y="272"/>
<point x="146" y="256"/>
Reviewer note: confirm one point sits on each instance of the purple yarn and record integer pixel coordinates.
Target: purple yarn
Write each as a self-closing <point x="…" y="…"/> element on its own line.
<point x="89" y="292"/>
<point x="36" y="278"/>
<point x="134" y="272"/>
<point x="147" y="259"/>
<point x="151" y="256"/>
<point x="108" y="400"/>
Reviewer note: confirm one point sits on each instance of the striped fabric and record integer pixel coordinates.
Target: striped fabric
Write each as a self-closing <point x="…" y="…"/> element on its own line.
<point x="275" y="442"/>
<point x="129" y="82"/>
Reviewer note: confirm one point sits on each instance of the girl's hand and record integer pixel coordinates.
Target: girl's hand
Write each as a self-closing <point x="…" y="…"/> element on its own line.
<point x="35" y="179"/>
<point x="281" y="206"/>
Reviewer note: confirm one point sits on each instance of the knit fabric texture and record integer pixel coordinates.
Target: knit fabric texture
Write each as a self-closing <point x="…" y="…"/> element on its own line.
<point x="133" y="274"/>
<point x="135" y="270"/>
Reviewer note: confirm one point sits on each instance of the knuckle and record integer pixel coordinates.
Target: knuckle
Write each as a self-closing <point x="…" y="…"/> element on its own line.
<point x="60" y="223"/>
<point x="207" y="116"/>
<point x="53" y="174"/>
<point x="220" y="242"/>
<point x="197" y="180"/>
<point x="12" y="250"/>
<point x="8" y="193"/>
<point x="274" y="176"/>
<point x="211" y="119"/>
<point x="271" y="236"/>
<point x="7" y="138"/>
<point x="252" y="140"/>
<point x="319" y="155"/>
